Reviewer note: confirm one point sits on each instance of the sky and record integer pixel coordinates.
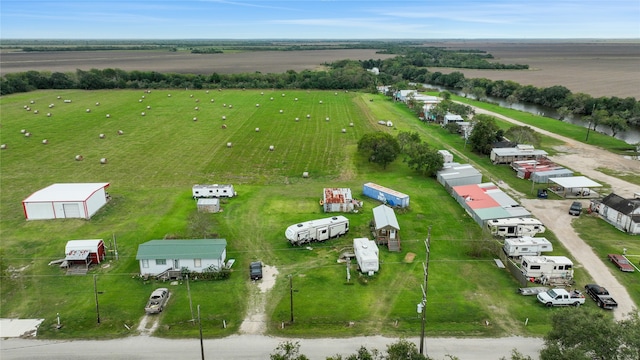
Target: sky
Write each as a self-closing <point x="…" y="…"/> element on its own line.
<point x="320" y="19"/>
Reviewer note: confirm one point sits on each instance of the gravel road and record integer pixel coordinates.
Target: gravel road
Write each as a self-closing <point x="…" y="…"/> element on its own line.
<point x="585" y="159"/>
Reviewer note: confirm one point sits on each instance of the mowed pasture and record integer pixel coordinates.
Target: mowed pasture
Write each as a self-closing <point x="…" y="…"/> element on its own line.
<point x="151" y="167"/>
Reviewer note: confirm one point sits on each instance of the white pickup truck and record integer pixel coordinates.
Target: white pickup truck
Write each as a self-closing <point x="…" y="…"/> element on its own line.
<point x="561" y="297"/>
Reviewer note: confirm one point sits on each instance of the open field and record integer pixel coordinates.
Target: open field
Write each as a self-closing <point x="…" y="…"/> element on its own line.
<point x="598" y="68"/>
<point x="179" y="62"/>
<point x="151" y="169"/>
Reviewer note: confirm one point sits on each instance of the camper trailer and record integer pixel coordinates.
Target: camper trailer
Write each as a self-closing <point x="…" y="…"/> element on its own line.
<point x="213" y="191"/>
<point x="317" y="230"/>
<point x="543" y="268"/>
<point x="526" y="246"/>
<point x="515" y="227"/>
<point x="367" y="255"/>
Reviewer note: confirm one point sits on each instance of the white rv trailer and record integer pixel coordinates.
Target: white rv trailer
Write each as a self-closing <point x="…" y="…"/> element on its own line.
<point x="317" y="230"/>
<point x="515" y="227"/>
<point x="526" y="246"/>
<point x="548" y="267"/>
<point x="367" y="255"/>
<point x="213" y="191"/>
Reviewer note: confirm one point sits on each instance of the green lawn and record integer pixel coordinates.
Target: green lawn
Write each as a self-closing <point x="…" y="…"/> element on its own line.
<point x="151" y="169"/>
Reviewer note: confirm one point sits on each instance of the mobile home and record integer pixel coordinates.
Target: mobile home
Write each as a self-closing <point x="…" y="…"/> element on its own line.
<point x="367" y="255"/>
<point x="526" y="246"/>
<point x="317" y="230"/>
<point x="515" y="227"/>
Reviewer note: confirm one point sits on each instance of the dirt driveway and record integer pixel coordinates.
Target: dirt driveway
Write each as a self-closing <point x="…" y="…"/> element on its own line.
<point x="554" y="214"/>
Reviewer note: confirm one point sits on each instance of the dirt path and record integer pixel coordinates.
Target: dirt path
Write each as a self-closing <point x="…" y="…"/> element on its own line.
<point x="585" y="159"/>
<point x="255" y="321"/>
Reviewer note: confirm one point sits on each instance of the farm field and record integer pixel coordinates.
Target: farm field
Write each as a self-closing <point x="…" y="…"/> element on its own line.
<point x="159" y="156"/>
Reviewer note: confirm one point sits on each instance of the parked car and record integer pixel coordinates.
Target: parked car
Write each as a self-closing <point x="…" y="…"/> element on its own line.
<point x="157" y="301"/>
<point x="621" y="262"/>
<point x="576" y="208"/>
<point x="255" y="270"/>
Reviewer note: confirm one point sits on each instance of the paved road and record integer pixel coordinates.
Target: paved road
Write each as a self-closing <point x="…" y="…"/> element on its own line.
<point x="253" y="347"/>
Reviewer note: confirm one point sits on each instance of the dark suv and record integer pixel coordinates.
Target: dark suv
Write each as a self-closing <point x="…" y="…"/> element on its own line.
<point x="255" y="270"/>
<point x="576" y="208"/>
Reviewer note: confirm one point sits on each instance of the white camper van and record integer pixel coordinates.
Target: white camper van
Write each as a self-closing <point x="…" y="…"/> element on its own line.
<point x="549" y="267"/>
<point x="526" y="246"/>
<point x="213" y="191"/>
<point x="515" y="227"/>
<point x="367" y="255"/>
<point x="317" y="230"/>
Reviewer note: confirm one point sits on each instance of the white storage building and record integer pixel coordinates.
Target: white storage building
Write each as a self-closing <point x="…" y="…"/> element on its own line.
<point x="64" y="201"/>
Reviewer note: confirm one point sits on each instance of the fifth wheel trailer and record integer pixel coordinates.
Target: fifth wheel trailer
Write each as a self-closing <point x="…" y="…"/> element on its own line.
<point x="515" y="227"/>
<point x="317" y="230"/>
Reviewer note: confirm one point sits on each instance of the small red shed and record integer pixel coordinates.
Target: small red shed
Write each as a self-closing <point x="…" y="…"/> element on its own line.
<point x="84" y="252"/>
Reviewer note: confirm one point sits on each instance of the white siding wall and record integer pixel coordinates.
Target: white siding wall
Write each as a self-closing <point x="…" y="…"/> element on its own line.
<point x="39" y="211"/>
<point x="95" y="202"/>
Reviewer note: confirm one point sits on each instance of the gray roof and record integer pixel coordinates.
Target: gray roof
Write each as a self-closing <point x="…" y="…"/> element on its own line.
<point x="182" y="249"/>
<point x="620" y="204"/>
<point x="385" y="216"/>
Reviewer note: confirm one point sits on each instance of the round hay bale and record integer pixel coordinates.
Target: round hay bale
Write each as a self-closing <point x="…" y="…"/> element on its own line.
<point x="351" y="124"/>
<point x="23" y="131"/>
<point x="207" y="91"/>
<point x="28" y="109"/>
<point x="45" y="141"/>
<point x="327" y="118"/>
<point x="101" y="136"/>
<point x="257" y="105"/>
<point x="31" y="102"/>
<point x="257" y="129"/>
<point x="48" y="114"/>
<point x="168" y="95"/>
<point x="296" y="99"/>
<point x="305" y="174"/>
<point x="261" y="92"/>
<point x="308" y="116"/>
<point x="224" y="105"/>
<point x="88" y="110"/>
<point x="142" y="113"/>
<point x="224" y="117"/>
<point x="143" y="96"/>
<point x="271" y="147"/>
<point x="139" y="100"/>
<point x="212" y="100"/>
<point x="3" y="146"/>
<point x="297" y="119"/>
<point x="108" y="116"/>
<point x="335" y="93"/>
<point x="25" y="107"/>
<point x="120" y="132"/>
<point x="344" y="131"/>
<point x="224" y="126"/>
<point x="320" y="101"/>
<point x="190" y="95"/>
<point x="36" y="111"/>
<point x="196" y="108"/>
<point x="27" y="134"/>
<point x="271" y="99"/>
<point x="98" y="104"/>
<point x="79" y="157"/>
<point x="103" y="161"/>
<point x="282" y="94"/>
<point x="59" y="97"/>
<point x="230" y="106"/>
<point x="197" y="100"/>
<point x="195" y="119"/>
<point x="50" y="106"/>
<point x="229" y="144"/>
<point x="281" y="111"/>
<point x="148" y="106"/>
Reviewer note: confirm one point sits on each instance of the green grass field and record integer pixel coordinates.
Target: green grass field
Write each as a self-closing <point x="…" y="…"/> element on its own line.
<point x="151" y="168"/>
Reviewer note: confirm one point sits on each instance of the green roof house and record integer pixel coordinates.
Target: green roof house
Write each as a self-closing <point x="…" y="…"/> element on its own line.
<point x="159" y="257"/>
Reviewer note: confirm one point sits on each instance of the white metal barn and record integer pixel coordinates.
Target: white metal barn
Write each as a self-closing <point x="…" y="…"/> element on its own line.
<point x="64" y="201"/>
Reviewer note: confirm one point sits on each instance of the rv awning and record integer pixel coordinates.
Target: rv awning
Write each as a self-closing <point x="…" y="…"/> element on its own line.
<point x="573" y="182"/>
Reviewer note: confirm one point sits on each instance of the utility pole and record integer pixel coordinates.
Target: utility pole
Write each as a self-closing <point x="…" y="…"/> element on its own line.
<point x="95" y="292"/>
<point x="291" y="295"/>
<point x="189" y="294"/>
<point x="201" y="344"/>
<point x="424" y="287"/>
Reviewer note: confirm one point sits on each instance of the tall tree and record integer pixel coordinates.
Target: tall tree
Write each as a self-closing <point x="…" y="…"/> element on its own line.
<point x="424" y="159"/>
<point x="380" y="148"/>
<point x="523" y="135"/>
<point x="484" y="134"/>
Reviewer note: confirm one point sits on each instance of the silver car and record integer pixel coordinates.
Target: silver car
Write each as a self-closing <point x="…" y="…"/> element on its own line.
<point x="157" y="301"/>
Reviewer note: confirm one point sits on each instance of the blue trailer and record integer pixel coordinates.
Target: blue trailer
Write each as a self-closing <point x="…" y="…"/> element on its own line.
<point x="386" y="195"/>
